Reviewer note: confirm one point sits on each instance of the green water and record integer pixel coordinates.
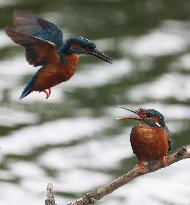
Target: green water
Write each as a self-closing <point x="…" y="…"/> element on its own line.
<point x="149" y="42"/>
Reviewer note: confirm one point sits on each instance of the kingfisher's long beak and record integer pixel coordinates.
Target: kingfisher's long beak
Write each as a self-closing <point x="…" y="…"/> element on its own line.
<point x="129" y="118"/>
<point x="99" y="55"/>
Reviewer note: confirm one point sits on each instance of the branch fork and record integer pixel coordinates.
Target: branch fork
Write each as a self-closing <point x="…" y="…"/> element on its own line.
<point x="99" y="193"/>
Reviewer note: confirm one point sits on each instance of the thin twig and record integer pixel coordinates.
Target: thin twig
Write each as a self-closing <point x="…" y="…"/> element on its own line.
<point x="99" y="193"/>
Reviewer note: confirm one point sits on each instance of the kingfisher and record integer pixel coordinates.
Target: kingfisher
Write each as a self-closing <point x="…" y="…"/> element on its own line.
<point x="45" y="47"/>
<point x="150" y="139"/>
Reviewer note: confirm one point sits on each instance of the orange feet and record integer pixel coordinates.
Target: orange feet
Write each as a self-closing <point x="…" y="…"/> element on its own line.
<point x="47" y="92"/>
<point x="164" y="161"/>
<point x="141" y="167"/>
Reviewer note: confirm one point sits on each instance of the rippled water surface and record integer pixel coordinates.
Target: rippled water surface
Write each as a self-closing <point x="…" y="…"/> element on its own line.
<point x="70" y="139"/>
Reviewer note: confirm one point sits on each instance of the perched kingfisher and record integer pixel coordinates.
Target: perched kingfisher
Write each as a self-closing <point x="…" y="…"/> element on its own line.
<point x="44" y="45"/>
<point x="150" y="138"/>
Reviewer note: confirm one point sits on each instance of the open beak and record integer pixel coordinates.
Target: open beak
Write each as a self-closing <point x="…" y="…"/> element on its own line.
<point x="99" y="55"/>
<point x="129" y="118"/>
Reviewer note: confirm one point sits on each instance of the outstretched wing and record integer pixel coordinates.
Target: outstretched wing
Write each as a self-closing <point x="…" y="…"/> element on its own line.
<point x="38" y="52"/>
<point x="37" y="27"/>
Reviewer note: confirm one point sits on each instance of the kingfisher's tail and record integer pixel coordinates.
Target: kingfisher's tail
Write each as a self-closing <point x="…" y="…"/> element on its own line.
<point x="28" y="88"/>
<point x="24" y="94"/>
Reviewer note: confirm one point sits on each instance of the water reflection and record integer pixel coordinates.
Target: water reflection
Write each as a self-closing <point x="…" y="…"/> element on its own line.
<point x="71" y="139"/>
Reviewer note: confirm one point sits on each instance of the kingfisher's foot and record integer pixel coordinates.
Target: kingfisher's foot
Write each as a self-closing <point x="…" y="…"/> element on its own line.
<point x="47" y="92"/>
<point x="141" y="167"/>
<point x="164" y="161"/>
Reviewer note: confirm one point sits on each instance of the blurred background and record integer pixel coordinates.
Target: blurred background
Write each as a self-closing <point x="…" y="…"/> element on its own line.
<point x="70" y="139"/>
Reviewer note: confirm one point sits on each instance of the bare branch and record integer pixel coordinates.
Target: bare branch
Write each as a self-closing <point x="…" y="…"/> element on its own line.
<point x="50" y="195"/>
<point x="99" y="193"/>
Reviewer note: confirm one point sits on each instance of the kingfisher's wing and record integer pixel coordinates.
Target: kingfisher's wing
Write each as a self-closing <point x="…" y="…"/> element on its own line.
<point x="170" y="142"/>
<point x="38" y="27"/>
<point x="38" y="52"/>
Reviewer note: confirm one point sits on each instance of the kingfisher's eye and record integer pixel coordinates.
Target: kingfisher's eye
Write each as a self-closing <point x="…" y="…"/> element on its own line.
<point x="86" y="48"/>
<point x="142" y="113"/>
<point x="148" y="115"/>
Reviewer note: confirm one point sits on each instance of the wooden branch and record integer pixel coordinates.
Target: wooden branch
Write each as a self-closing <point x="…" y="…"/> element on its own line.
<point x="99" y="193"/>
<point x="50" y="195"/>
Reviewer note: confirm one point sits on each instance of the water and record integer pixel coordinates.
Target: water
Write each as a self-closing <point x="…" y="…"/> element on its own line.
<point x="70" y="139"/>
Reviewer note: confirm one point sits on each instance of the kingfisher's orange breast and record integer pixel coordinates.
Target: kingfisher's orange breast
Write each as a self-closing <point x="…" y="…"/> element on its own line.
<point x="149" y="143"/>
<point x="53" y="74"/>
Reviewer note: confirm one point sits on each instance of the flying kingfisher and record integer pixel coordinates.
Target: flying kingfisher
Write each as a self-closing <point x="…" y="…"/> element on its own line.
<point x="45" y="47"/>
<point x="150" y="139"/>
